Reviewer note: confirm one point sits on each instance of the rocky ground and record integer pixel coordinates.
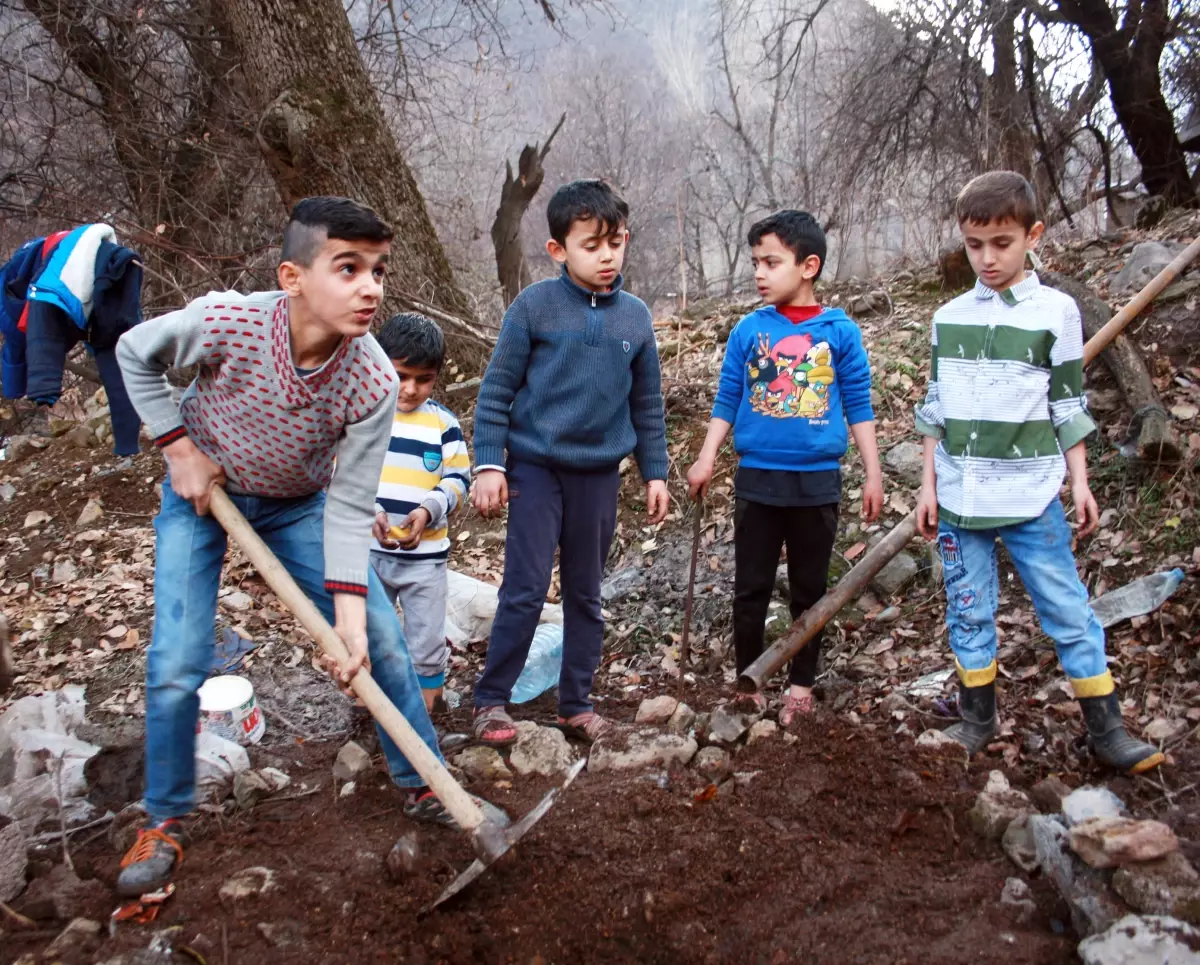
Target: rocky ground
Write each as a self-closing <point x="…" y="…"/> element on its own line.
<point x="704" y="840"/>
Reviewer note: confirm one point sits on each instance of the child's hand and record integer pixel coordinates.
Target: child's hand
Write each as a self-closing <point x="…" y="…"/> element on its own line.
<point x="927" y="513"/>
<point x="658" y="501"/>
<point x="1087" y="512"/>
<point x="193" y="474"/>
<point x="350" y="623"/>
<point x="489" y="493"/>
<point x="872" y="498"/>
<point x="416" y="522"/>
<point x="698" y="478"/>
<point x="381" y="531"/>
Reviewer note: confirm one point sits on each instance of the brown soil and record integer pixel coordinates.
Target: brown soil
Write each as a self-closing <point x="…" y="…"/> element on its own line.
<point x="844" y="847"/>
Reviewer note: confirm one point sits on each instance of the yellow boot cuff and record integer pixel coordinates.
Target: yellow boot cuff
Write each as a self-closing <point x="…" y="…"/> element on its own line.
<point x="976" y="678"/>
<point x="1100" y="685"/>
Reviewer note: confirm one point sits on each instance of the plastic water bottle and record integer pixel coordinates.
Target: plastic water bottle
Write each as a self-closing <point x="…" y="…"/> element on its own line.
<point x="542" y="666"/>
<point x="1137" y="598"/>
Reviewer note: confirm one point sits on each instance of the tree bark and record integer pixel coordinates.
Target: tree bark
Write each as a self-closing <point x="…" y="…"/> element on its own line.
<point x="1156" y="439"/>
<point x="1006" y="115"/>
<point x="515" y="195"/>
<point x="1129" y="56"/>
<point x="322" y="130"/>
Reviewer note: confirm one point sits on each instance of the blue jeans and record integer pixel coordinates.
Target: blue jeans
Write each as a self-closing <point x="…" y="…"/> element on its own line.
<point x="1041" y="551"/>
<point x="187" y="571"/>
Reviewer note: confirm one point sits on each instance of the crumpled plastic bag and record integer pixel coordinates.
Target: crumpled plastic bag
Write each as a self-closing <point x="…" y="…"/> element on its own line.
<point x="471" y="609"/>
<point x="217" y="761"/>
<point x="41" y="759"/>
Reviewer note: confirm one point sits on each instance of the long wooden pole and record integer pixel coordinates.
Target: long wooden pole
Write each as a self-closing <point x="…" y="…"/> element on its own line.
<point x="810" y="622"/>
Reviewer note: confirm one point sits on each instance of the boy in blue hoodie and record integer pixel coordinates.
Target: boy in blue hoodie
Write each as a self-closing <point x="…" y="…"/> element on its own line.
<point x="794" y="375"/>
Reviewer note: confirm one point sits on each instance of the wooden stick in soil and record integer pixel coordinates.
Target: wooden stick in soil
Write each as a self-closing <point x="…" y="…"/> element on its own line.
<point x="685" y="636"/>
<point x="810" y="622"/>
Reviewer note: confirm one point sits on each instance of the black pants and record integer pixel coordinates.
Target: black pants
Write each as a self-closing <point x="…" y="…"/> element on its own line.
<point x="759" y="534"/>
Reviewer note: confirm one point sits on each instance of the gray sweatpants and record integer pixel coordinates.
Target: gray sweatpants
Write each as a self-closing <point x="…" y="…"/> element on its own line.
<point x="420" y="586"/>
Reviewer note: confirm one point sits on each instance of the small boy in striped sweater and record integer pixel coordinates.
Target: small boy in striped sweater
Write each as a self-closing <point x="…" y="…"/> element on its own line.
<point x="425" y="477"/>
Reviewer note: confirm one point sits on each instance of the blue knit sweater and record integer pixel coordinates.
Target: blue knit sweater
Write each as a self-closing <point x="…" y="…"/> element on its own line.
<point x="574" y="382"/>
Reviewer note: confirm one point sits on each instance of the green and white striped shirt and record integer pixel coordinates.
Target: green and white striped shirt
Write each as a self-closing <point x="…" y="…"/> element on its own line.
<point x="1005" y="400"/>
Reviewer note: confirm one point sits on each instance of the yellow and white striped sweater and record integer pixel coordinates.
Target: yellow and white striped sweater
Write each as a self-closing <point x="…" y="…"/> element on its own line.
<point x="427" y="464"/>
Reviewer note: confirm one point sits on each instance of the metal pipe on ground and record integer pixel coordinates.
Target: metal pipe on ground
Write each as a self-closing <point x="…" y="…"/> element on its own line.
<point x="755" y="677"/>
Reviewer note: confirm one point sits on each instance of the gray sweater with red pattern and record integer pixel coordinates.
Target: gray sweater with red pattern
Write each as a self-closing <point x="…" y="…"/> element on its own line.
<point x="275" y="432"/>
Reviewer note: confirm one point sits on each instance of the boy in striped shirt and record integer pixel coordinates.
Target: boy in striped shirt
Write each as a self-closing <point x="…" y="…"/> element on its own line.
<point x="1003" y="419"/>
<point x="425" y="477"/>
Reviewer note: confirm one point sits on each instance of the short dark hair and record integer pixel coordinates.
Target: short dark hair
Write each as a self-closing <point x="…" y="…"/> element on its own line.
<point x="414" y="340"/>
<point x="583" y="200"/>
<point x="314" y="221"/>
<point x="996" y="196"/>
<point x="799" y="232"/>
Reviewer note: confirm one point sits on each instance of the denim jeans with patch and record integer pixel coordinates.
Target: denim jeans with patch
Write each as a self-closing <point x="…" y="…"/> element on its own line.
<point x="1041" y="551"/>
<point x="189" y="552"/>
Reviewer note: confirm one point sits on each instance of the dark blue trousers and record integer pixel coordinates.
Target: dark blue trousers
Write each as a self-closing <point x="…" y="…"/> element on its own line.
<point x="575" y="513"/>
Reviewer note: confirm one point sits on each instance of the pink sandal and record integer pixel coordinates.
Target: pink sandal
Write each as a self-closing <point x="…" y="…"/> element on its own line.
<point x="492" y="727"/>
<point x="793" y="708"/>
<point x="588" y="727"/>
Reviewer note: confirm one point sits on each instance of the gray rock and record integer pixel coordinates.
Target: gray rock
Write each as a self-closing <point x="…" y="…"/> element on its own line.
<point x="90" y="514"/>
<point x="13" y="860"/>
<point x="483" y="764"/>
<point x="1142" y="940"/>
<point x="1018" y="844"/>
<point x="1093" y="907"/>
<point x="1169" y="886"/>
<point x="761" y="729"/>
<point x="1091" y="802"/>
<point x="900" y="571"/>
<point x="405" y="859"/>
<point x="7" y="492"/>
<point x="906" y="461"/>
<point x="642" y="749"/>
<point x="1144" y="262"/>
<point x="656" y="710"/>
<point x="681" y="721"/>
<point x="621" y="584"/>
<point x="62" y="894"/>
<point x="81" y="437"/>
<point x="74" y="939"/>
<point x="351" y="761"/>
<point x="726" y="726"/>
<point x="1109" y="842"/>
<point x="713" y="763"/>
<point x="540" y="750"/>
<point x="997" y="806"/>
<point x="248" y="883"/>
<point x="284" y="934"/>
<point x="888" y="615"/>
<point x="1017" y="896"/>
<point x="237" y="600"/>
<point x="35" y="518"/>
<point x="65" y="571"/>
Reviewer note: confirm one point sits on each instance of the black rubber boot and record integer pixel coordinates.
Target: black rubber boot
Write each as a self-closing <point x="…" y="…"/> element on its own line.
<point x="1111" y="743"/>
<point x="977" y="707"/>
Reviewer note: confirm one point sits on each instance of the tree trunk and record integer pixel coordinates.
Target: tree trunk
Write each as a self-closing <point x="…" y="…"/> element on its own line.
<point x="322" y="130"/>
<point x="1156" y="440"/>
<point x="1006" y="115"/>
<point x="1129" y="56"/>
<point x="515" y="195"/>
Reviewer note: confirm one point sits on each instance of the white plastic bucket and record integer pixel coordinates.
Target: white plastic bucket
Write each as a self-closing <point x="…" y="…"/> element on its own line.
<point x="228" y="709"/>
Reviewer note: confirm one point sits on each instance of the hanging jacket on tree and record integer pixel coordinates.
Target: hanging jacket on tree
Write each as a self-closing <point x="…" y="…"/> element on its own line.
<point x="15" y="279"/>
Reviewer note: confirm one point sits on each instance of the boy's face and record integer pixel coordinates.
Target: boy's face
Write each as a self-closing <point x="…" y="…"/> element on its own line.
<point x="416" y="384"/>
<point x="781" y="279"/>
<point x="593" y="256"/>
<point x="343" y="287"/>
<point x="996" y="250"/>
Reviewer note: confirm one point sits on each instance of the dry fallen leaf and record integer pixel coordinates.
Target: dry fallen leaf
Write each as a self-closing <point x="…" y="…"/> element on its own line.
<point x="854" y="551"/>
<point x="118" y="631"/>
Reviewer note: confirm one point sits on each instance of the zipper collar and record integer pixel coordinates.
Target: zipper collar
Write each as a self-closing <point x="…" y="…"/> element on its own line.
<point x="596" y="299"/>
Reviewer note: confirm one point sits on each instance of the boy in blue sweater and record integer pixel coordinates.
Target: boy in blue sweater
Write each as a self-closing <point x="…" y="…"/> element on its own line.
<point x="794" y="375"/>
<point x="572" y="389"/>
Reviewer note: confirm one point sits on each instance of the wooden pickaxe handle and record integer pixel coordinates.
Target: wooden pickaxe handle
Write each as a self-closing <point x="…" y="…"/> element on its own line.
<point x="457" y="801"/>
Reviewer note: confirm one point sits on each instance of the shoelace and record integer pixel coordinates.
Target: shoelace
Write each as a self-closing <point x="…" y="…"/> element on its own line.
<point x="143" y="848"/>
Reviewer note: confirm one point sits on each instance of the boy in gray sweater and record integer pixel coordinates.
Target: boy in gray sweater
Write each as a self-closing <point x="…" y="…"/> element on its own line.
<point x="292" y="396"/>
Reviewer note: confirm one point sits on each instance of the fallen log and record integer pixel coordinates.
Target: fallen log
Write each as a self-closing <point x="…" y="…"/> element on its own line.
<point x="754" y="677"/>
<point x="1156" y="438"/>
